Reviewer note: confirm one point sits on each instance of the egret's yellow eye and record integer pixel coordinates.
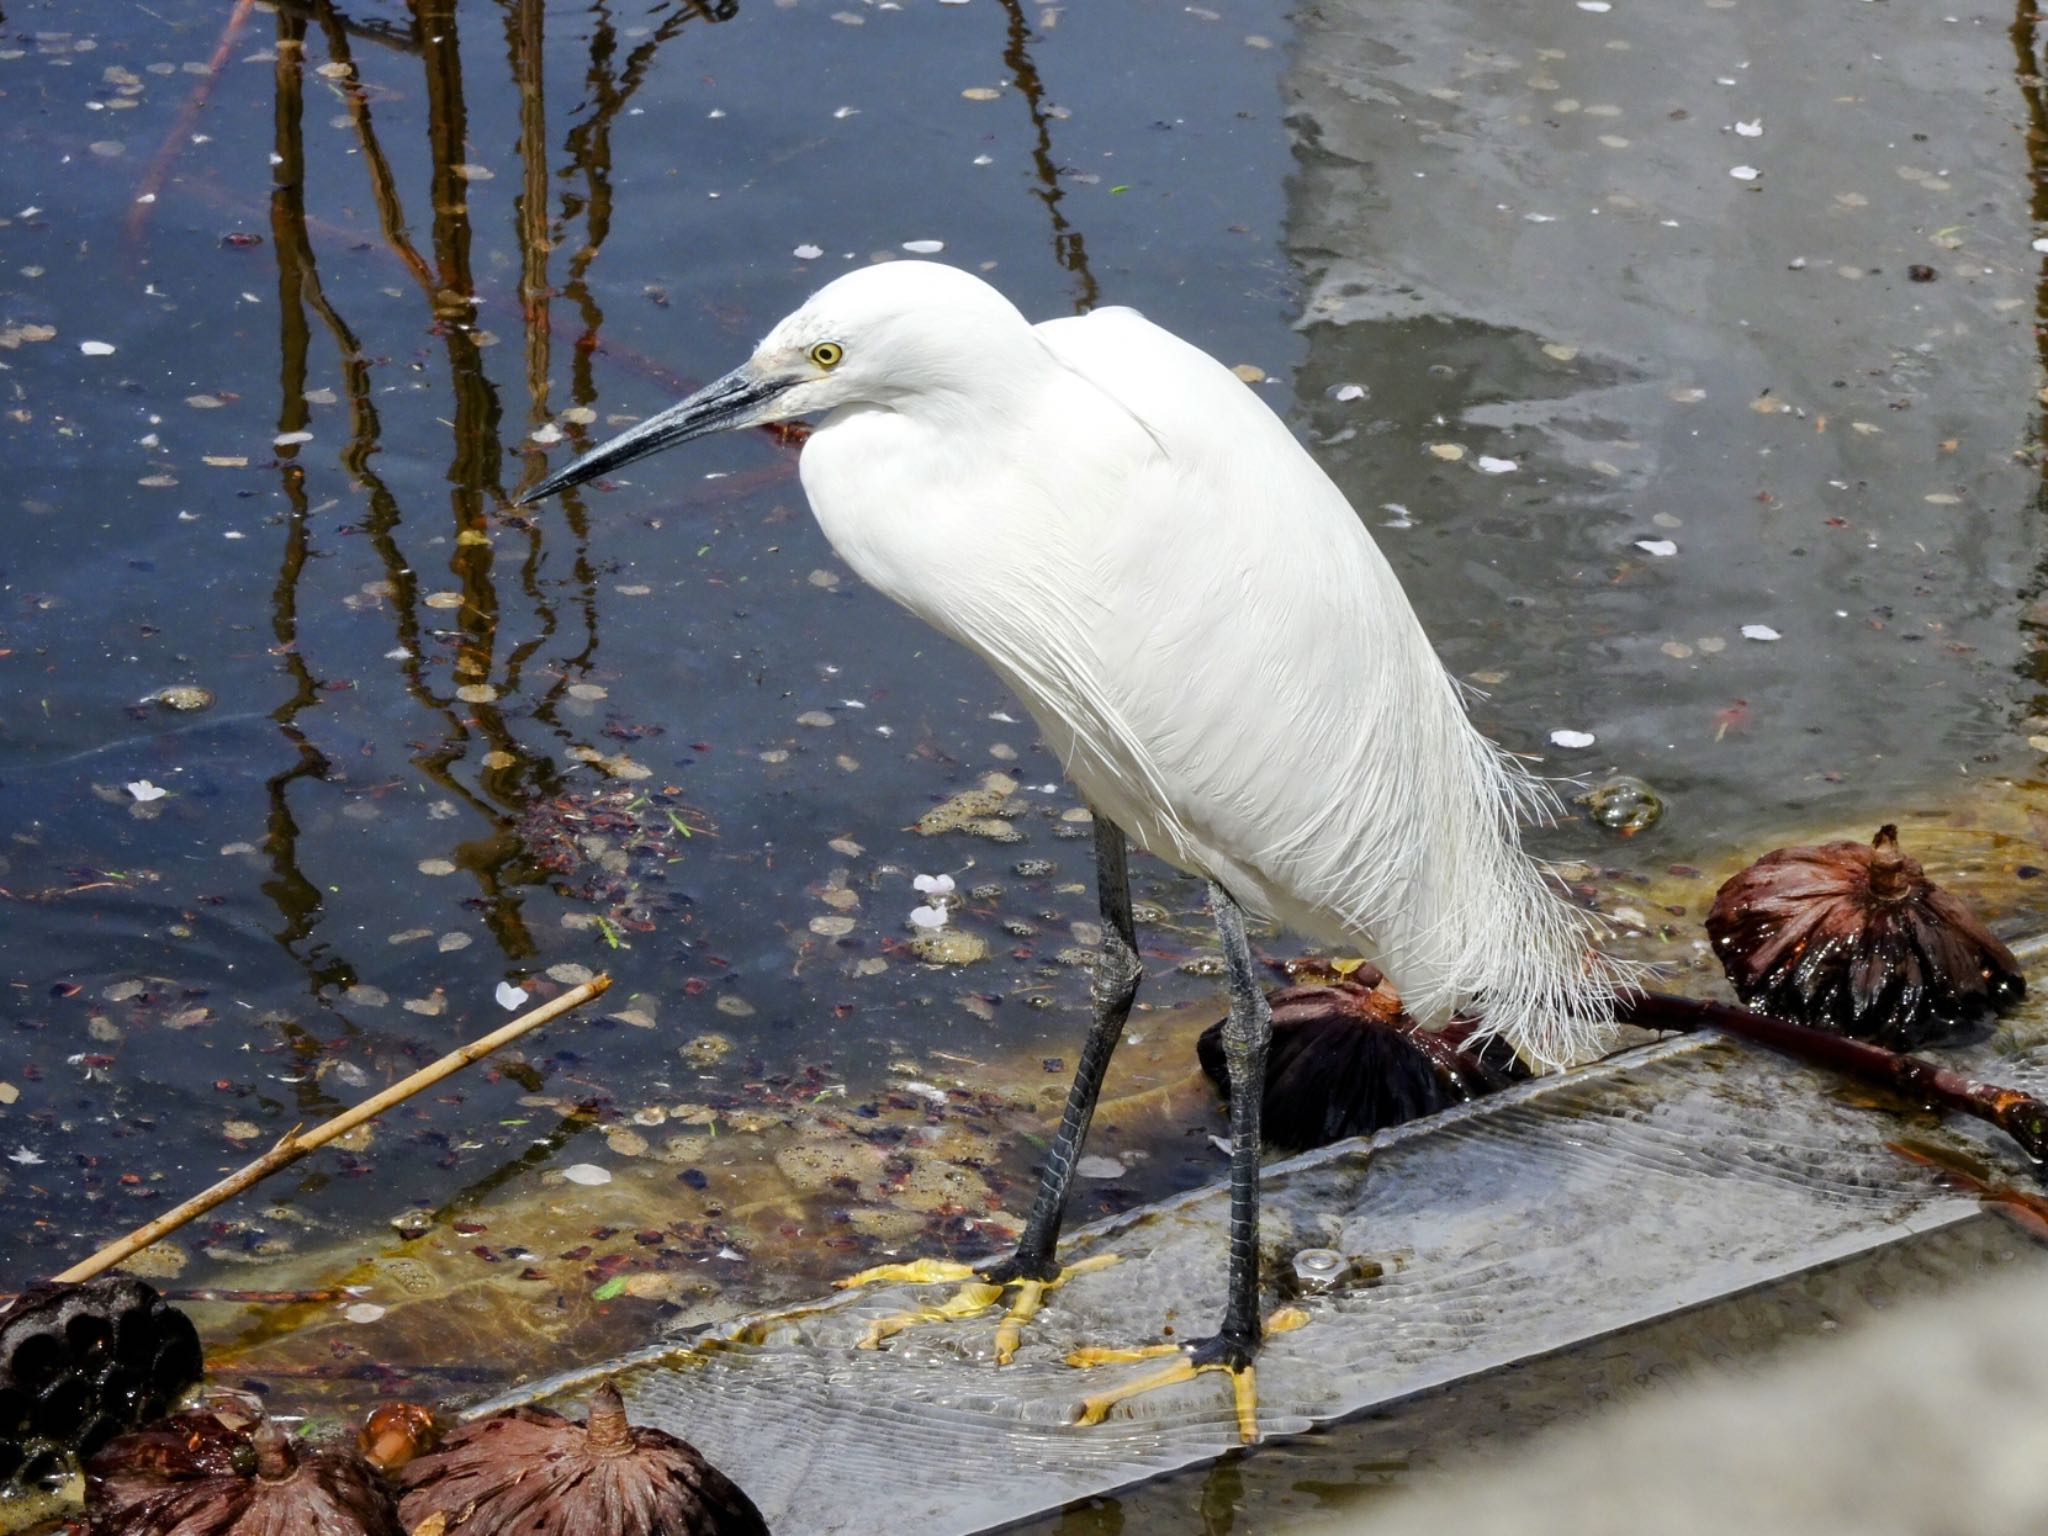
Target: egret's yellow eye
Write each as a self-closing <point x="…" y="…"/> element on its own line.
<point x="826" y="354"/>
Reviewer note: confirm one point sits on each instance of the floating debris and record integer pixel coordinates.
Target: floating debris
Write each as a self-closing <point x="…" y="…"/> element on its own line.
<point x="1623" y="804"/>
<point x="185" y="698"/>
<point x="396" y="1434"/>
<point x="1856" y="938"/>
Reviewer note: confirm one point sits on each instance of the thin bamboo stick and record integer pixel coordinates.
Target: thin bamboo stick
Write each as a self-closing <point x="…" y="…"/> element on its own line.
<point x="292" y="1145"/>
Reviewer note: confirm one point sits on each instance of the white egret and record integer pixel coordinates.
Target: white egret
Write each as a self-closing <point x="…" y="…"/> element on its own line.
<point x="1210" y="640"/>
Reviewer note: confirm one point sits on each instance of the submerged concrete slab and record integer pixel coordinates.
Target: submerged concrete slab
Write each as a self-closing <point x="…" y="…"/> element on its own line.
<point x="1566" y="1209"/>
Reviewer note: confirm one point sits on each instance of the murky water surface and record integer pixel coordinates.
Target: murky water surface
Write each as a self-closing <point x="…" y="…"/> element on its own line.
<point x="282" y="339"/>
<point x="1682" y="357"/>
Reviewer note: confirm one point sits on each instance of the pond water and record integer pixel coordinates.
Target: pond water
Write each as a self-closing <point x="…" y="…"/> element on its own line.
<point x="284" y="337"/>
<point x="293" y="296"/>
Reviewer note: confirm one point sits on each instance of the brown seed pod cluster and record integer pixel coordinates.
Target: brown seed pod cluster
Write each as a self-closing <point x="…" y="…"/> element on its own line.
<point x="1347" y="1060"/>
<point x="531" y="1471"/>
<point x="195" y="1475"/>
<point x="1855" y="938"/>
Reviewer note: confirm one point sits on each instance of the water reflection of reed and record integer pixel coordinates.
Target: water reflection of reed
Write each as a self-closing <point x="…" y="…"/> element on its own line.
<point x="485" y="698"/>
<point x="478" y="699"/>
<point x="1068" y="249"/>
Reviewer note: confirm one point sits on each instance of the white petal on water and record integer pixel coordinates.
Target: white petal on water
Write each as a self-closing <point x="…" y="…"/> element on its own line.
<point x="934" y="884"/>
<point x="2042" y="244"/>
<point x="1488" y="465"/>
<point x="1349" y="392"/>
<point x="928" y="917"/>
<point x="1595" y="6"/>
<point x="364" y="1312"/>
<point x="145" y="791"/>
<point x="509" y="996"/>
<point x="1753" y="129"/>
<point x="1743" y="172"/>
<point x="1760" y="632"/>
<point x="924" y="247"/>
<point x="1572" y="739"/>
<point x="1658" y="547"/>
<point x="1095" y="1166"/>
<point x="807" y="252"/>
<point x="291" y="439"/>
<point x="547" y="432"/>
<point x="25" y="1157"/>
<point x="587" y="1173"/>
<point x="96" y="348"/>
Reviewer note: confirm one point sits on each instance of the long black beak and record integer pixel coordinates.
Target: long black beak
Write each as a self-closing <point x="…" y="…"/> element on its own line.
<point x="728" y="402"/>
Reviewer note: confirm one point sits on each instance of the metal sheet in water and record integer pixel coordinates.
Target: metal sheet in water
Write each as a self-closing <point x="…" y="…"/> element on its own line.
<point x="1563" y="1210"/>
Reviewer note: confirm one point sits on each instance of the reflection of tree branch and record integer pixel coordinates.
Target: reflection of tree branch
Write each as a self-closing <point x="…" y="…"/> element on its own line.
<point x="383" y="186"/>
<point x="384" y="34"/>
<point x="525" y="38"/>
<point x="1067" y="247"/>
<point x="474" y="471"/>
<point x="297" y="899"/>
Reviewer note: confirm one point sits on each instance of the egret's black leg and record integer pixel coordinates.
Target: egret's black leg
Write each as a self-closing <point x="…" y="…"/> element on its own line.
<point x="1117" y="974"/>
<point x="1032" y="1270"/>
<point x="1246" y="1034"/>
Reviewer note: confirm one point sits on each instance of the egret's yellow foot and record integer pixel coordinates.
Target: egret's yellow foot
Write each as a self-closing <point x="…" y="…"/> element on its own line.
<point x="1221" y="1353"/>
<point x="979" y="1290"/>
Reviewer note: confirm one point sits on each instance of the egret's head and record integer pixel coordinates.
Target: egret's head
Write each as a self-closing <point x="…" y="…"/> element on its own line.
<point x="872" y="337"/>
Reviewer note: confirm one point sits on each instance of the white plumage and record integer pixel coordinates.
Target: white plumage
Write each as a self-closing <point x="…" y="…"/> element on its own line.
<point x="1222" y="658"/>
<point x="1200" y="624"/>
<point x="1192" y="612"/>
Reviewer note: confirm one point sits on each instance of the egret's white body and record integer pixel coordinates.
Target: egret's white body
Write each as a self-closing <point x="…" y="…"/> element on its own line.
<point x="1201" y="626"/>
<point x="1220" y="655"/>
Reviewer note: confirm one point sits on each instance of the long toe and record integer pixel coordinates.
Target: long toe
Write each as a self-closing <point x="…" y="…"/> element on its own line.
<point x="1230" y="1354"/>
<point x="979" y="1289"/>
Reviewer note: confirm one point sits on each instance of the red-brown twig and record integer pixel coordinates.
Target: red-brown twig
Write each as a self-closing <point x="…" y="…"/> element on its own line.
<point x="181" y="131"/>
<point x="2020" y="1116"/>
